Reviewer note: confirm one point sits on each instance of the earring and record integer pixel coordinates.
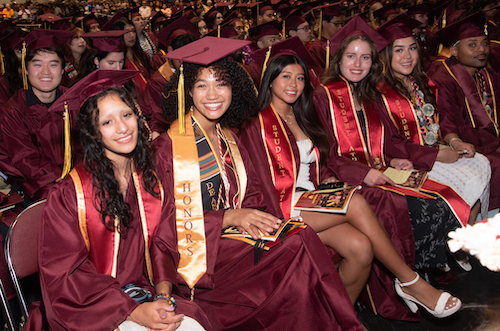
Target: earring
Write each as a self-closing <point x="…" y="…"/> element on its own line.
<point x="97" y="66"/>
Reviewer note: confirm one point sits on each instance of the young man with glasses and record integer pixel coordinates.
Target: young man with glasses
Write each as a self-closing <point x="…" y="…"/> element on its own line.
<point x="332" y="21"/>
<point x="298" y="26"/>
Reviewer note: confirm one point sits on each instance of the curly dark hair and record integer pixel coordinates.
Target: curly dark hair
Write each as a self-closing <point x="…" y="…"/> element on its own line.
<point x="417" y="74"/>
<point x="244" y="96"/>
<point x="305" y="113"/>
<point x="108" y="199"/>
<point x="366" y="90"/>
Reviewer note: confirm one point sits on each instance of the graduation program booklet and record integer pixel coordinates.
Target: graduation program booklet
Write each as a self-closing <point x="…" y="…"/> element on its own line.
<point x="407" y="178"/>
<point x="335" y="201"/>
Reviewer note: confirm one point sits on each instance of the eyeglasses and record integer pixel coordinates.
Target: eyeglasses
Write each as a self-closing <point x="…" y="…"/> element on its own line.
<point x="306" y="28"/>
<point x="338" y="24"/>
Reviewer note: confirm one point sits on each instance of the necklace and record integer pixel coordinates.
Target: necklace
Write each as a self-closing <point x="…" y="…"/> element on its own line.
<point x="425" y="115"/>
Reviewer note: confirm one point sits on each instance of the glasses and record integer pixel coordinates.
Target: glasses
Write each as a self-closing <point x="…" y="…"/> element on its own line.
<point x="306" y="28"/>
<point x="338" y="24"/>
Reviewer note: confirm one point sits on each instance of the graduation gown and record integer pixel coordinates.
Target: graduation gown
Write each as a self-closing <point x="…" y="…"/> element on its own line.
<point x="153" y="97"/>
<point x="32" y="142"/>
<point x="294" y="286"/>
<point x="390" y="208"/>
<point x="4" y="90"/>
<point x="455" y="118"/>
<point x="76" y="296"/>
<point x="318" y="51"/>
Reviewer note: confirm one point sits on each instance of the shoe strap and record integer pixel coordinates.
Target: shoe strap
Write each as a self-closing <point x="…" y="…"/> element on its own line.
<point x="410" y="283"/>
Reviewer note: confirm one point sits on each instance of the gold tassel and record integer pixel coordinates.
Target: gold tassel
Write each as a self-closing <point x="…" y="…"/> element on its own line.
<point x="283" y="37"/>
<point x="218" y="31"/>
<point x="67" y="142"/>
<point x="443" y="21"/>
<point x="264" y="67"/>
<point x="486" y="28"/>
<point x="327" y="65"/>
<point x="2" y="64"/>
<point x="23" y="67"/>
<point x="320" y="24"/>
<point x="180" y="101"/>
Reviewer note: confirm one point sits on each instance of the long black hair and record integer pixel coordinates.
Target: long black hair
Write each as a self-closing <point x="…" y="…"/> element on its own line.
<point x="244" y="96"/>
<point x="108" y="199"/>
<point x="12" y="74"/>
<point x="303" y="108"/>
<point x="138" y="52"/>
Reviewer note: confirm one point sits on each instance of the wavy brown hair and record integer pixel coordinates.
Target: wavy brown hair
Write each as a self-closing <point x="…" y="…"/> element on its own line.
<point x="418" y="74"/>
<point x="366" y="90"/>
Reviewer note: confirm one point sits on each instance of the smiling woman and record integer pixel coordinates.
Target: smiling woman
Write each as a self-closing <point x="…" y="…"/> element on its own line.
<point x="216" y="187"/>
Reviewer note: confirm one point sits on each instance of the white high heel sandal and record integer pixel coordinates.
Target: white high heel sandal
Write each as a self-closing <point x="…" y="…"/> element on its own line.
<point x="439" y="311"/>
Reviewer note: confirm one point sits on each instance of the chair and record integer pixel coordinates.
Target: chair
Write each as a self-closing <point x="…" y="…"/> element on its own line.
<point x="7" y="314"/>
<point x="21" y="249"/>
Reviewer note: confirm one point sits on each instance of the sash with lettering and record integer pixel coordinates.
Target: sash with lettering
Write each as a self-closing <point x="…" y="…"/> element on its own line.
<point x="348" y="130"/>
<point x="478" y="115"/>
<point x="402" y="115"/>
<point x="281" y="159"/>
<point x="349" y="133"/>
<point x="188" y="203"/>
<point x="103" y="245"/>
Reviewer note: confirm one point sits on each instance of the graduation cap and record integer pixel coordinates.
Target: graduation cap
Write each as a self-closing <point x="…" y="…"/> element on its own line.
<point x="261" y="30"/>
<point x="203" y="51"/>
<point x="399" y="27"/>
<point x="109" y="25"/>
<point x="265" y="6"/>
<point x="63" y="24"/>
<point x="292" y="22"/>
<point x="422" y="8"/>
<point x="49" y="17"/>
<point x="225" y="30"/>
<point x="8" y="42"/>
<point x="107" y="41"/>
<point x="290" y="46"/>
<point x="386" y="11"/>
<point x="356" y="27"/>
<point x="72" y="100"/>
<point x="471" y="26"/>
<point x="90" y="20"/>
<point x="179" y="27"/>
<point x="157" y="19"/>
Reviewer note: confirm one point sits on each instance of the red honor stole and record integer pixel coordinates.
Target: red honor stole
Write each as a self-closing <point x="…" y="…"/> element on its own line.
<point x="281" y="158"/>
<point x="402" y="115"/>
<point x="103" y="245"/>
<point x="348" y="130"/>
<point x="478" y="115"/>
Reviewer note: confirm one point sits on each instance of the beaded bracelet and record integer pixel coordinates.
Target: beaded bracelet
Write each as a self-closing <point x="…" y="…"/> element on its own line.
<point x="163" y="296"/>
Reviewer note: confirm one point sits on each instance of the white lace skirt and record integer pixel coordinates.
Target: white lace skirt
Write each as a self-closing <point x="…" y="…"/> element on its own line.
<point x="469" y="177"/>
<point x="187" y="324"/>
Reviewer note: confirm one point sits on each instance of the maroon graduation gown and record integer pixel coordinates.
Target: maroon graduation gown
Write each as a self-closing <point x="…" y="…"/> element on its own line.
<point x="293" y="287"/>
<point x="390" y="208"/>
<point x="453" y="118"/>
<point x="153" y="98"/>
<point x="32" y="142"/>
<point x="4" y="90"/>
<point x="75" y="295"/>
<point x="318" y="51"/>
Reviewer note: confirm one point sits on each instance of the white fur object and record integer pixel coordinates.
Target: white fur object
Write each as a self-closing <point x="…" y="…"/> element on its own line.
<point x="481" y="240"/>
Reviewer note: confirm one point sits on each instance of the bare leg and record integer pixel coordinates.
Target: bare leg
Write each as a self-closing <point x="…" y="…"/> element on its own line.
<point x="357" y="256"/>
<point x="361" y="216"/>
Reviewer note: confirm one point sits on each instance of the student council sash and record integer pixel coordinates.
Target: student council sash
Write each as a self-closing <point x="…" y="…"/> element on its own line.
<point x="281" y="158"/>
<point x="103" y="245"/>
<point x="348" y="129"/>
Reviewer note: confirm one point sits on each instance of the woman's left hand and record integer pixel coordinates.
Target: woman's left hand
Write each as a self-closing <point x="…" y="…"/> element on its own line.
<point x="402" y="164"/>
<point x="253" y="221"/>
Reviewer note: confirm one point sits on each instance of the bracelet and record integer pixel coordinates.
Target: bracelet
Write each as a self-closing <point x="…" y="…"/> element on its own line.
<point x="453" y="139"/>
<point x="163" y="296"/>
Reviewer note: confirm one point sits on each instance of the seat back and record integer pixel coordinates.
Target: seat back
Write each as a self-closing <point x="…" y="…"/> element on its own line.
<point x="21" y="248"/>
